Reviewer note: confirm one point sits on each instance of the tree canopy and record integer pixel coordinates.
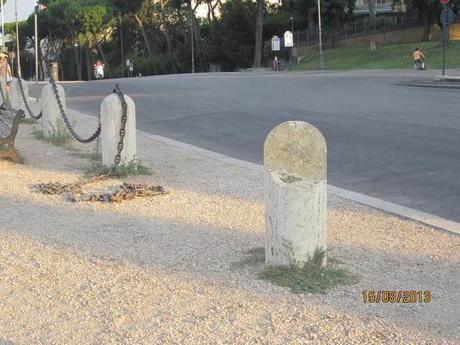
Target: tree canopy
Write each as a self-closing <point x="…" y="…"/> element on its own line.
<point x="157" y="35"/>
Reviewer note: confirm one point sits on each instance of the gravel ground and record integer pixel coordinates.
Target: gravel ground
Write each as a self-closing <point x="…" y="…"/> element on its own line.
<point x="174" y="269"/>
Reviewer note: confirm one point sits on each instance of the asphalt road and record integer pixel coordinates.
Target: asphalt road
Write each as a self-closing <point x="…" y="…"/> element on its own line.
<point x="394" y="142"/>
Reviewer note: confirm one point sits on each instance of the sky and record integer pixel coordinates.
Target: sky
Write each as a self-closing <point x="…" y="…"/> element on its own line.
<point x="25" y="8"/>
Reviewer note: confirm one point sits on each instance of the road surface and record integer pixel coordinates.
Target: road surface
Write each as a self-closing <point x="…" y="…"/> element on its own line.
<point x="390" y="141"/>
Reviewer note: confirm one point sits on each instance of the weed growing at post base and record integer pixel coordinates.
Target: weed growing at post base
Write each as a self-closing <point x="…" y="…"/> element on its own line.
<point x="133" y="168"/>
<point x="312" y="276"/>
<point x="55" y="139"/>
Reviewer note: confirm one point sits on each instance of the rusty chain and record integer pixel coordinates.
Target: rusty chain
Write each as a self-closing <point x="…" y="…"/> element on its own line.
<point x="66" y="118"/>
<point x="124" y="119"/>
<point x="74" y="191"/>
<point x="26" y="102"/>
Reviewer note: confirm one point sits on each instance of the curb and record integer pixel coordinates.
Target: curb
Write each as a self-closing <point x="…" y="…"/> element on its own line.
<point x="402" y="211"/>
<point x="437" y="85"/>
<point x="443" y="78"/>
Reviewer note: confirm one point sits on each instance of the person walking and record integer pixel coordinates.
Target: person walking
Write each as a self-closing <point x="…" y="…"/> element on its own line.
<point x="5" y="77"/>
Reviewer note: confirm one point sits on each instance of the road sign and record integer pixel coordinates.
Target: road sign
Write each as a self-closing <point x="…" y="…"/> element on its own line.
<point x="275" y="43"/>
<point x="447" y="16"/>
<point x="444" y="2"/>
<point x="288" y="39"/>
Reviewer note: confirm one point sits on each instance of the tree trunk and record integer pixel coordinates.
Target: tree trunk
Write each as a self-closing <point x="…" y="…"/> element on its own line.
<point x="106" y="63"/>
<point x="61" y="68"/>
<point x="259" y="34"/>
<point x="77" y="62"/>
<point x="144" y="34"/>
<point x="88" y="63"/>
<point x="196" y="36"/>
<point x="172" y="58"/>
<point x="209" y="11"/>
<point x="213" y="11"/>
<point x="427" y="27"/>
<point x="371" y="5"/>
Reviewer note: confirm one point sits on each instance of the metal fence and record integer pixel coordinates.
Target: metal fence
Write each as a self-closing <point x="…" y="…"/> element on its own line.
<point x="357" y="28"/>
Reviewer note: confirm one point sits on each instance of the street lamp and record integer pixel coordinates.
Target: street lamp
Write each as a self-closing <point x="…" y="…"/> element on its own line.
<point x="290" y="48"/>
<point x="18" y="65"/>
<point x="3" y="25"/>
<point x="191" y="37"/>
<point x="321" y="61"/>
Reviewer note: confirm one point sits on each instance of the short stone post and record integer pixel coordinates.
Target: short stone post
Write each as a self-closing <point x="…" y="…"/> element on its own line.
<point x="111" y="113"/>
<point x="17" y="102"/>
<point x="52" y="122"/>
<point x="295" y="160"/>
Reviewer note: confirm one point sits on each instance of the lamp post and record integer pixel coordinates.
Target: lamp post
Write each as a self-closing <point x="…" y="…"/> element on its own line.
<point x="290" y="48"/>
<point x="122" y="47"/>
<point x="18" y="66"/>
<point x="321" y="61"/>
<point x="3" y="26"/>
<point x="36" y="43"/>
<point x="191" y="37"/>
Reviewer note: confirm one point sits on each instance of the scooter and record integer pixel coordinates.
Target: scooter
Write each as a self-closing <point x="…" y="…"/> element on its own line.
<point x="99" y="72"/>
<point x="420" y="66"/>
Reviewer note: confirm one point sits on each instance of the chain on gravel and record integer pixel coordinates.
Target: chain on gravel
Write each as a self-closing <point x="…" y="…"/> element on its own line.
<point x="74" y="191"/>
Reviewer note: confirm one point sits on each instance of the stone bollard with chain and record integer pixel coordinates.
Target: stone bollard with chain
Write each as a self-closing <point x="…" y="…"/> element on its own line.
<point x="52" y="121"/>
<point x="118" y="111"/>
<point x="17" y="101"/>
<point x="295" y="160"/>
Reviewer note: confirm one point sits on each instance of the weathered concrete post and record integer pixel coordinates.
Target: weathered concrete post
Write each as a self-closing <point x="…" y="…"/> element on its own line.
<point x="295" y="160"/>
<point x="17" y="102"/>
<point x="111" y="113"/>
<point x="52" y="122"/>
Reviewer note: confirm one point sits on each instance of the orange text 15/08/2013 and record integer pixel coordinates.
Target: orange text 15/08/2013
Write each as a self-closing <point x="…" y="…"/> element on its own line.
<point x="394" y="296"/>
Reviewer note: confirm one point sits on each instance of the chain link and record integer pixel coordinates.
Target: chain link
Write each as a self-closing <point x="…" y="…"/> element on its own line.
<point x="124" y="119"/>
<point x="66" y="118"/>
<point x="26" y="103"/>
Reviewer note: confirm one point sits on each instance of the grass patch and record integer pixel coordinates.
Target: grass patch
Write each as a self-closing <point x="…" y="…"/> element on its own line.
<point x="56" y="139"/>
<point x="387" y="56"/>
<point x="28" y="121"/>
<point x="313" y="276"/>
<point x="133" y="168"/>
<point x="92" y="156"/>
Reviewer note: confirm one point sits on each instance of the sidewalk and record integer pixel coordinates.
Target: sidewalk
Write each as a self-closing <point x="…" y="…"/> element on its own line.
<point x="175" y="269"/>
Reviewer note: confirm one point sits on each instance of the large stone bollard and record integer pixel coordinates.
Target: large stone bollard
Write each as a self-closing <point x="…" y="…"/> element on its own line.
<point x="295" y="160"/>
<point x="52" y="122"/>
<point x="111" y="113"/>
<point x="17" y="101"/>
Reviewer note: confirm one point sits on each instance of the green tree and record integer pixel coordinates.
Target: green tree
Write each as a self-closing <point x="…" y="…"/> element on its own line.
<point x="258" y="45"/>
<point x="237" y="33"/>
<point x="428" y="12"/>
<point x="91" y="20"/>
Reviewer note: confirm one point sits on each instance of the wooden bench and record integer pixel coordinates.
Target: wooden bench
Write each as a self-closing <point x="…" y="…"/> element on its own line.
<point x="9" y="124"/>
